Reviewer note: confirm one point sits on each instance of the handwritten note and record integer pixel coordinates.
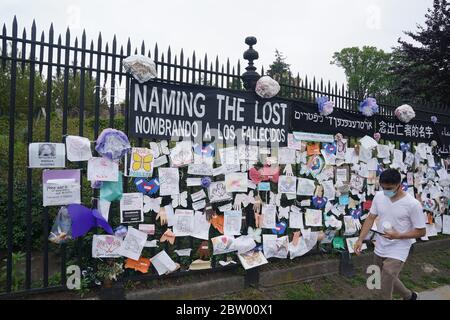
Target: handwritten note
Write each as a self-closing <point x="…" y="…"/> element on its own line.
<point x="102" y="169"/>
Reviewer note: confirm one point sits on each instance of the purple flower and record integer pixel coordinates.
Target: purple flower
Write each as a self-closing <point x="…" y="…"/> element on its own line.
<point x="369" y="107"/>
<point x="325" y="106"/>
<point x="321" y="101"/>
<point x="206" y="181"/>
<point x="112" y="144"/>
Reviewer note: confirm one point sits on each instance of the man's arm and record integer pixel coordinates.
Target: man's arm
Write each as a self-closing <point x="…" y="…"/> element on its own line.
<point x="413" y="234"/>
<point x="368" y="223"/>
<point x="364" y="231"/>
<point x="418" y="221"/>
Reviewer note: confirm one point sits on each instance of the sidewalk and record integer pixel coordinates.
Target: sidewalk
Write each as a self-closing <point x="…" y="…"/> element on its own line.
<point x="441" y="293"/>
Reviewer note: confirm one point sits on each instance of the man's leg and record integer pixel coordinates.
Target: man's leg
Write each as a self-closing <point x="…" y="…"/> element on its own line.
<point x="389" y="279"/>
<point x="400" y="288"/>
<point x="378" y="261"/>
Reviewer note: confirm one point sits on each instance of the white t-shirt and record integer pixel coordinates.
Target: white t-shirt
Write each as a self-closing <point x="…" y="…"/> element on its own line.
<point x="404" y="215"/>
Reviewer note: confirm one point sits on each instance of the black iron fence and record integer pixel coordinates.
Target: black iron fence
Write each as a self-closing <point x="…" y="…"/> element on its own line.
<point x="52" y="86"/>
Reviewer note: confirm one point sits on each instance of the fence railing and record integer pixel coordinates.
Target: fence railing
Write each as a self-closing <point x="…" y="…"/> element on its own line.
<point x="48" y="73"/>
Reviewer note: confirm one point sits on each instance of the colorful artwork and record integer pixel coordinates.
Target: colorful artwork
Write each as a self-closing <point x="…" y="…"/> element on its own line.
<point x="315" y="165"/>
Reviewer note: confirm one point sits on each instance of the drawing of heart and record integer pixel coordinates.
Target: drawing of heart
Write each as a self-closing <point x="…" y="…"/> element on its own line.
<point x="147" y="187"/>
<point x="330" y="148"/>
<point x="264" y="174"/>
<point x="280" y="228"/>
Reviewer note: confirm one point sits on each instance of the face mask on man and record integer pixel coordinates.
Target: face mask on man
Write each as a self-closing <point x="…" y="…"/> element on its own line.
<point x="390" y="193"/>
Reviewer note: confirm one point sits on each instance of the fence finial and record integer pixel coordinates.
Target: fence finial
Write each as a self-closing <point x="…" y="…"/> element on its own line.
<point x="250" y="77"/>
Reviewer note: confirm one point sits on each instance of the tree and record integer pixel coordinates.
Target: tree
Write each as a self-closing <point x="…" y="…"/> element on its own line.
<point x="40" y="90"/>
<point x="426" y="66"/>
<point x="22" y="89"/>
<point x="279" y="69"/>
<point x="73" y="97"/>
<point x="366" y="69"/>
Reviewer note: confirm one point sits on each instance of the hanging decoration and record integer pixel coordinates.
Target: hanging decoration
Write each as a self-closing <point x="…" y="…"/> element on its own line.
<point x="325" y="106"/>
<point x="369" y="107"/>
<point x="112" y="144"/>
<point x="142" y="68"/>
<point x="405" y="113"/>
<point x="267" y="88"/>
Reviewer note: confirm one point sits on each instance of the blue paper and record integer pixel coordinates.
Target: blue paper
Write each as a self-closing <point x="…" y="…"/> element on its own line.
<point x="344" y="200"/>
<point x="112" y="191"/>
<point x="264" y="186"/>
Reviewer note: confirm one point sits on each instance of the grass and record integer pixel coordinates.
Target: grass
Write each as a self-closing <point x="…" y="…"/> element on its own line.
<point x="303" y="291"/>
<point x="357" y="280"/>
<point x="247" y="294"/>
<point x="338" y="287"/>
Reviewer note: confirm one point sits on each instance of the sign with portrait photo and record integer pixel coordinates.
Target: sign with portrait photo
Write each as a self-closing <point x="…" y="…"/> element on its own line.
<point x="47" y="155"/>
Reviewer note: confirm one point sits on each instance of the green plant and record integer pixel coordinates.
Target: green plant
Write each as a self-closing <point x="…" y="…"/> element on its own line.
<point x="109" y="270"/>
<point x="17" y="274"/>
<point x="84" y="287"/>
<point x="55" y="279"/>
<point x="357" y="280"/>
<point x="303" y="291"/>
<point x="130" y="285"/>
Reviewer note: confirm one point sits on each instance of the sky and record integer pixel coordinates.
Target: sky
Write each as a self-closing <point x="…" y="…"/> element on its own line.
<point x="307" y="32"/>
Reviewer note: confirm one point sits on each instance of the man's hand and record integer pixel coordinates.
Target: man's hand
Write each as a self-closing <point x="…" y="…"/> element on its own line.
<point x="357" y="247"/>
<point x="392" y="234"/>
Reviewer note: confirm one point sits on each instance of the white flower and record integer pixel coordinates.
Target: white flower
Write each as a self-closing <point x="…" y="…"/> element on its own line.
<point x="267" y="88"/>
<point x="405" y="113"/>
<point x="142" y="68"/>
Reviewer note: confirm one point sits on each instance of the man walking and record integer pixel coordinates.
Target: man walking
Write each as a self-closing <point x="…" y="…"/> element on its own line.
<point x="401" y="219"/>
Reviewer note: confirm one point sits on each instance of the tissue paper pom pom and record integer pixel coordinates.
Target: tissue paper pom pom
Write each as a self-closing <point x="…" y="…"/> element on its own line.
<point x="267" y="88"/>
<point x="142" y="68"/>
<point x="112" y="144"/>
<point x="377" y="136"/>
<point x="405" y="113"/>
<point x="368" y="107"/>
<point x="434" y="119"/>
<point x="206" y="182"/>
<point x="325" y="106"/>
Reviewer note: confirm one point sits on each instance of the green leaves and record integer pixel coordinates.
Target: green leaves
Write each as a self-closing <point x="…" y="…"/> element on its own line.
<point x="366" y="69"/>
<point x="425" y="63"/>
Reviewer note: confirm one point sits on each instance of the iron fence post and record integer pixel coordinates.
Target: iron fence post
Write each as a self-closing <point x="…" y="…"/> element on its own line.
<point x="346" y="267"/>
<point x="250" y="77"/>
